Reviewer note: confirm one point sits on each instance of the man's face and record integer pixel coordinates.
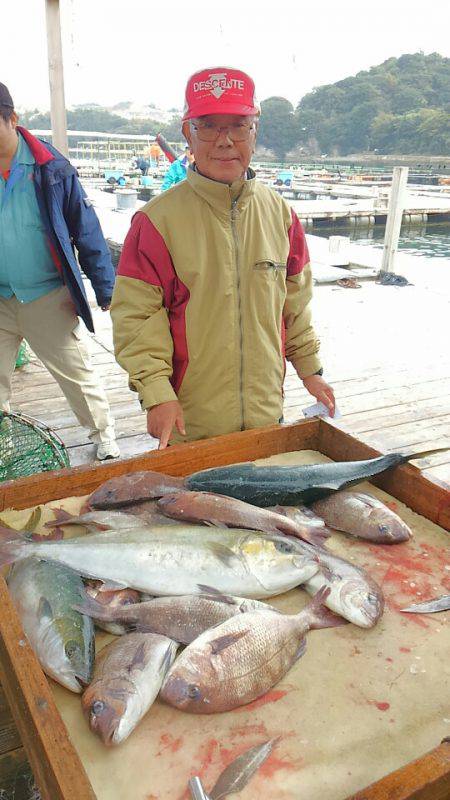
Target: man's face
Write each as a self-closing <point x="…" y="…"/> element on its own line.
<point x="7" y="129"/>
<point x="222" y="159"/>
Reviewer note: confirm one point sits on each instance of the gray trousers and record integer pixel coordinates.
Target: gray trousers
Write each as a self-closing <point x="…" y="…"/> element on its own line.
<point x="52" y="329"/>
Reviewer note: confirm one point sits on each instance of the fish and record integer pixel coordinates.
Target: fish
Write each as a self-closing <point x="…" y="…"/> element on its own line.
<point x="133" y="488"/>
<point x="241" y="659"/>
<point x="215" y="509"/>
<point x="301" y="514"/>
<point x="182" y="618"/>
<point x="363" y="516"/>
<point x="354" y="594"/>
<point x="100" y="521"/>
<point x="63" y="640"/>
<point x="127" y="678"/>
<point x="112" y="600"/>
<point x="234" y="561"/>
<point x="287" y="486"/>
<point x="238" y="774"/>
<point x="430" y="606"/>
<point x="109" y="519"/>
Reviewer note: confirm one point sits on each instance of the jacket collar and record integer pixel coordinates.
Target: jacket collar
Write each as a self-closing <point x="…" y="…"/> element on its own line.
<point x="38" y="149"/>
<point x="220" y="195"/>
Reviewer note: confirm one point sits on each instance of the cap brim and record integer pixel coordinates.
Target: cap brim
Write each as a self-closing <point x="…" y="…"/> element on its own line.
<point x="204" y="109"/>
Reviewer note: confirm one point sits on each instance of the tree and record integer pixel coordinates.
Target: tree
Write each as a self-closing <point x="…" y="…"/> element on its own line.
<point x="278" y="127"/>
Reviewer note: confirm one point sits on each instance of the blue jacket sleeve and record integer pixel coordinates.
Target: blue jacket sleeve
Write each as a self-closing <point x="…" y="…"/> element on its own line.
<point x="169" y="178"/>
<point x="84" y="228"/>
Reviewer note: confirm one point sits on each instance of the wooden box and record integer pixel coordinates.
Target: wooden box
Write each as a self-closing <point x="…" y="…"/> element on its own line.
<point x="56" y="764"/>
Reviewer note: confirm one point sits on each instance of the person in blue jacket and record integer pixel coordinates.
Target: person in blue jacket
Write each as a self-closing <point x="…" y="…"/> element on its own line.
<point x="44" y="216"/>
<point x="177" y="170"/>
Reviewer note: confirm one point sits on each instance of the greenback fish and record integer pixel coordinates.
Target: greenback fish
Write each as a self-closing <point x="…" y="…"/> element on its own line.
<point x="274" y="485"/>
<point x="44" y="594"/>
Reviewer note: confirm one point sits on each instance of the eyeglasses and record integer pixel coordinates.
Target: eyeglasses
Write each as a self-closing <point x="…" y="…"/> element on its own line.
<point x="239" y="132"/>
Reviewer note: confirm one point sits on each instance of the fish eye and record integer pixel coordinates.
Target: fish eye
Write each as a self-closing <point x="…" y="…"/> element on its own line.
<point x="284" y="547"/>
<point x="71" y="648"/>
<point x="97" y="707"/>
<point x="383" y="528"/>
<point x="192" y="691"/>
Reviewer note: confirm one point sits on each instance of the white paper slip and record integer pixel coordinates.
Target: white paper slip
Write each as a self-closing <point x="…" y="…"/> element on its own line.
<point x="320" y="410"/>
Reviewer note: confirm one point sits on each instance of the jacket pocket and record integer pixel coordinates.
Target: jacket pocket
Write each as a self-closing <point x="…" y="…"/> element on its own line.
<point x="268" y="293"/>
<point x="270" y="267"/>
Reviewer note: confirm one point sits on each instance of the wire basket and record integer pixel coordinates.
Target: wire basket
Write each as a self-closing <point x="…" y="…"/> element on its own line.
<point x="28" y="446"/>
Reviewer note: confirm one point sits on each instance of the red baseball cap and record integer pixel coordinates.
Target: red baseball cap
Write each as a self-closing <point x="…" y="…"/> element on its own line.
<point x="220" y="90"/>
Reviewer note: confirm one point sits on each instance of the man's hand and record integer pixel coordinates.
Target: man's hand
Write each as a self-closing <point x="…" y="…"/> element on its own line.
<point x="320" y="389"/>
<point x="161" y="420"/>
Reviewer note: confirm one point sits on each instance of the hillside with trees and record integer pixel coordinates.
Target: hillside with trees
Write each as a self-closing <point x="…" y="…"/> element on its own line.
<point x="401" y="106"/>
<point x="89" y="118"/>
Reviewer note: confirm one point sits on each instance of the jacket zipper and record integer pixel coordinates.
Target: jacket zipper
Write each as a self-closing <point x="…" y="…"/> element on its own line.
<point x="238" y="286"/>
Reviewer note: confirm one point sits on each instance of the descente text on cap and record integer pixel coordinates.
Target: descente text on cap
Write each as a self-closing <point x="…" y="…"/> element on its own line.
<point x="220" y="90"/>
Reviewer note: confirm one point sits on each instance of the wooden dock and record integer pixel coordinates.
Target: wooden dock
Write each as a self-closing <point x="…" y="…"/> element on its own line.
<point x="385" y="351"/>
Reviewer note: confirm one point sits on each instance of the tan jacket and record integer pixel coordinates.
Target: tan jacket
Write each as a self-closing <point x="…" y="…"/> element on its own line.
<point x="213" y="290"/>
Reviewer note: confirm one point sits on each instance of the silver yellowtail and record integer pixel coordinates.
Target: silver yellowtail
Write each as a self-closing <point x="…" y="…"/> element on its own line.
<point x="151" y="560"/>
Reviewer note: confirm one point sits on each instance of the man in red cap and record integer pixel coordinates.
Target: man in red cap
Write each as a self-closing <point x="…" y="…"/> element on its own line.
<point x="214" y="283"/>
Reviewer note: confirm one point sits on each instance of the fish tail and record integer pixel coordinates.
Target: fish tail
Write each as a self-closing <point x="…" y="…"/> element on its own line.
<point x="11" y="549"/>
<point x="92" y="608"/>
<point x="315" y="535"/>
<point x="424" y="453"/>
<point x="319" y="615"/>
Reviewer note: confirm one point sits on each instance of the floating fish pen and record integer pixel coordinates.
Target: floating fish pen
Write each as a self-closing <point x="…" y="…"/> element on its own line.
<point x="362" y="708"/>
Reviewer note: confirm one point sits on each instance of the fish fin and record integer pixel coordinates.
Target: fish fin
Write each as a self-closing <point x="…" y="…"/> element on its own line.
<point x="112" y="586"/>
<point x="92" y="608"/>
<point x="424" y="454"/>
<point x="324" y="618"/>
<point x="301" y="649"/>
<point x="168" y="659"/>
<point x="54" y="536"/>
<point x="214" y="594"/>
<point x="138" y="660"/>
<point x="367" y="499"/>
<point x="215" y="523"/>
<point x="326" y="571"/>
<point x="321" y="617"/>
<point x="34" y="519"/>
<point x="222" y="642"/>
<point x="45" y="610"/>
<point x="316" y="536"/>
<point x="61" y="516"/>
<point x="235" y="777"/>
<point x="222" y="552"/>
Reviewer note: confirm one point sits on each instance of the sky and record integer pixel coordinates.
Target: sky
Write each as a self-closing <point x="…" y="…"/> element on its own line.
<point x="144" y="51"/>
